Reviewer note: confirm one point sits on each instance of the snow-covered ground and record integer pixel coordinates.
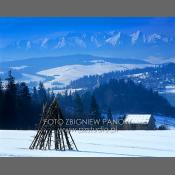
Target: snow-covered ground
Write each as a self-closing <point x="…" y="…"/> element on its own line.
<point x="62" y="91"/>
<point x="95" y="144"/>
<point x="170" y="89"/>
<point x="68" y="73"/>
<point x="169" y="122"/>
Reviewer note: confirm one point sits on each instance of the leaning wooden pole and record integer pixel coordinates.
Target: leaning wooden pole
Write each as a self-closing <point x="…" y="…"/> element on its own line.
<point x="49" y="133"/>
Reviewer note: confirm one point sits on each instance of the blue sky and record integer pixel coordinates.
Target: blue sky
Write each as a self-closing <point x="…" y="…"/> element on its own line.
<point x="36" y="37"/>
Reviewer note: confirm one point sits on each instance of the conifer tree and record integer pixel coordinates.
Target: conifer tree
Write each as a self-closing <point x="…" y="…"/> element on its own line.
<point x="94" y="108"/>
<point x="42" y="93"/>
<point x="109" y="114"/>
<point x="24" y="106"/>
<point x="35" y="95"/>
<point x="78" y="106"/>
<point x="9" y="106"/>
<point x="109" y="118"/>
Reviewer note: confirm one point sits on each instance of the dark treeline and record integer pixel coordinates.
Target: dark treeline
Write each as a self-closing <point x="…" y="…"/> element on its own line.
<point x="124" y="96"/>
<point x="20" y="107"/>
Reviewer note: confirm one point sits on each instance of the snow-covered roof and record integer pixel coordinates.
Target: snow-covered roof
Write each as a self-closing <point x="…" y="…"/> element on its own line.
<point x="137" y="118"/>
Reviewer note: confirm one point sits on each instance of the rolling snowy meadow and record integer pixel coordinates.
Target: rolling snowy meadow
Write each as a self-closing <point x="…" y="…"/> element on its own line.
<point x="15" y="143"/>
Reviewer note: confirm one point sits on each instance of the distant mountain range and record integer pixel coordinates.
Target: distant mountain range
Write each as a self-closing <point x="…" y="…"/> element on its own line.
<point x="137" y="44"/>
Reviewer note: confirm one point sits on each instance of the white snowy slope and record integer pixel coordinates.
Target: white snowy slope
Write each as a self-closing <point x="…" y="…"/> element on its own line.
<point x="68" y="73"/>
<point x="31" y="78"/>
<point x="169" y="122"/>
<point x="18" y="67"/>
<point x="95" y="144"/>
<point x="170" y="89"/>
<point x="62" y="91"/>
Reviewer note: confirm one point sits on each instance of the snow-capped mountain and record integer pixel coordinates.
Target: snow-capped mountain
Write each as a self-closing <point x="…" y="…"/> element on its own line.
<point x="137" y="44"/>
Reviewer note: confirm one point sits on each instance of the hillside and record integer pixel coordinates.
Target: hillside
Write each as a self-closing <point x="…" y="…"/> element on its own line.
<point x="127" y="97"/>
<point x="159" y="78"/>
<point x="56" y="72"/>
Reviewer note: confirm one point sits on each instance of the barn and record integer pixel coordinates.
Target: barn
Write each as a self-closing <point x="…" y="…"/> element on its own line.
<point x="139" y="122"/>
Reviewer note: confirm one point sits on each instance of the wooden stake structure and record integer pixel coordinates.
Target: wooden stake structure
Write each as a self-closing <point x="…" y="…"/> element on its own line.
<point x="52" y="132"/>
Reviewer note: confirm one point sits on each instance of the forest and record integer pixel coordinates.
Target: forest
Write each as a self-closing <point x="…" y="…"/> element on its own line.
<point x="21" y="106"/>
<point x="152" y="77"/>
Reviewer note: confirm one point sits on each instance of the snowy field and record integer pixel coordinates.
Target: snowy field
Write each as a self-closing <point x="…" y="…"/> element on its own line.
<point x="169" y="122"/>
<point x="93" y="144"/>
<point x="68" y="73"/>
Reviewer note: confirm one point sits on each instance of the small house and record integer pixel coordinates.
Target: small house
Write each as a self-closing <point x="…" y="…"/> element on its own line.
<point x="139" y="122"/>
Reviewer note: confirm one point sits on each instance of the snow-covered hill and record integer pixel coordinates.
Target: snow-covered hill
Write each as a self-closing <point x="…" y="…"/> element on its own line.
<point x="59" y="71"/>
<point x="66" y="74"/>
<point x="95" y="144"/>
